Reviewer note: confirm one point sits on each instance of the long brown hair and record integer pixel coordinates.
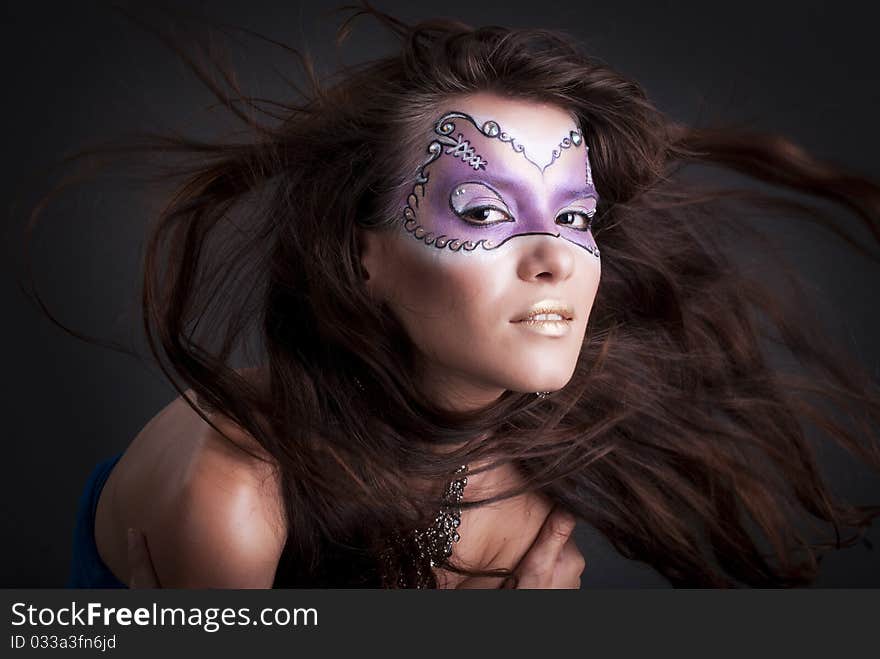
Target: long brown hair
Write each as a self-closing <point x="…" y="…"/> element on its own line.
<point x="676" y="438"/>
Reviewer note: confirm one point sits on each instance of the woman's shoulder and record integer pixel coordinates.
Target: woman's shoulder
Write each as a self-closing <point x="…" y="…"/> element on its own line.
<point x="210" y="505"/>
<point x="224" y="526"/>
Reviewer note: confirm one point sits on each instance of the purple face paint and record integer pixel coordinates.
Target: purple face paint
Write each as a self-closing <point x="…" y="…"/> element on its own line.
<point x="482" y="201"/>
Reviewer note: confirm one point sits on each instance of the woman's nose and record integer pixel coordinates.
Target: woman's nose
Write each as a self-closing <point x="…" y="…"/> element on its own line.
<point x="545" y="257"/>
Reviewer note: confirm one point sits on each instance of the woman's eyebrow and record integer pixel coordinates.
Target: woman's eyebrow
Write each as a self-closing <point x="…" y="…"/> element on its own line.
<point x="515" y="186"/>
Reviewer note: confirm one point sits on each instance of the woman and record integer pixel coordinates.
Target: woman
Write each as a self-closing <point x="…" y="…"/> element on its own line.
<point x="413" y="256"/>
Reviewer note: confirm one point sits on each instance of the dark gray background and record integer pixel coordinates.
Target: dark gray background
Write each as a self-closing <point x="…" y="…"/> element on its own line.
<point x="75" y="72"/>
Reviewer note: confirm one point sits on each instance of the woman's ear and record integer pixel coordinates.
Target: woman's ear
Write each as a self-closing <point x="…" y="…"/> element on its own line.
<point x="369" y="249"/>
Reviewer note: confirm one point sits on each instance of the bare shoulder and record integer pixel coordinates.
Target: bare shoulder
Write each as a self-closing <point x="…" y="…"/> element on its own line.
<point x="226" y="529"/>
<point x="212" y="512"/>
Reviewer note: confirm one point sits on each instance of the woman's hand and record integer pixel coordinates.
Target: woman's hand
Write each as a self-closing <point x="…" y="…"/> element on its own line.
<point x="553" y="560"/>
<point x="143" y="575"/>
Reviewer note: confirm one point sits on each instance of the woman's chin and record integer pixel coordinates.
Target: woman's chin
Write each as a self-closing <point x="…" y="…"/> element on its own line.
<point x="534" y="385"/>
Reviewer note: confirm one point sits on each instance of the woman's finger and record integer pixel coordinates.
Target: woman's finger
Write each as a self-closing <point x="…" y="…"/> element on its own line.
<point x="551" y="539"/>
<point x="143" y="575"/>
<point x="570" y="566"/>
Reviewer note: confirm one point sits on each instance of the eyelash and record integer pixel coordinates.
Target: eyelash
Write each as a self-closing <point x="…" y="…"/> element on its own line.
<point x="588" y="216"/>
<point x="476" y="209"/>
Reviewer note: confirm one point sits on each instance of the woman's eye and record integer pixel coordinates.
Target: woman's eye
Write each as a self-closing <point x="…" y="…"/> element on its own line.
<point x="485" y="215"/>
<point x="576" y="219"/>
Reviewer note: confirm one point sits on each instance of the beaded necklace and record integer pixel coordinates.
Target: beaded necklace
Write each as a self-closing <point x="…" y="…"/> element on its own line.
<point x="434" y="544"/>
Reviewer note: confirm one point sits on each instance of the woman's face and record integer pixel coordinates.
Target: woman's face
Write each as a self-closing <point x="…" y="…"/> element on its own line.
<point x="497" y="226"/>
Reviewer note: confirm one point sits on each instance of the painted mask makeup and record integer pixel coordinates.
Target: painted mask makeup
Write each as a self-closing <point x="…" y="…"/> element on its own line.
<point x="481" y="201"/>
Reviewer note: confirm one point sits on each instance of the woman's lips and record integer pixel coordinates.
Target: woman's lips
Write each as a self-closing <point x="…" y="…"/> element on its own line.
<point x="546" y="327"/>
<point x="549" y="317"/>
